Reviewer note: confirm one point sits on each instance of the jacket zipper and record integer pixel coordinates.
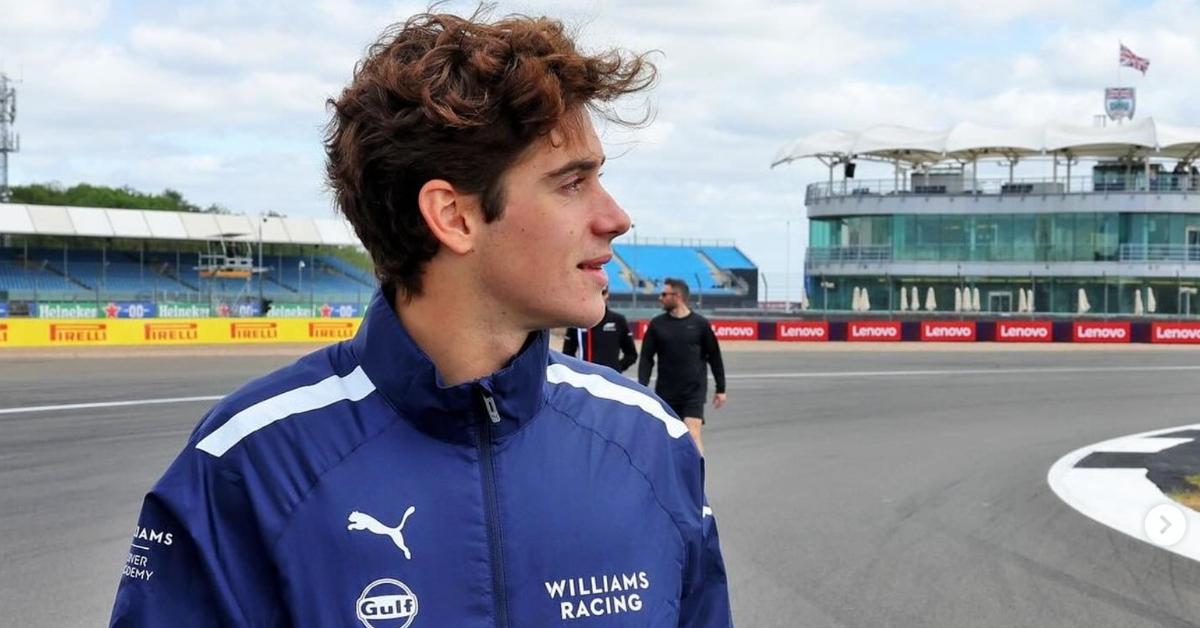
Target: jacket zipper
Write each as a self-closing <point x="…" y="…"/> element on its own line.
<point x="491" y="510"/>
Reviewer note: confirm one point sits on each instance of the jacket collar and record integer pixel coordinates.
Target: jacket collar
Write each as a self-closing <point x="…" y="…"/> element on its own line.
<point x="408" y="379"/>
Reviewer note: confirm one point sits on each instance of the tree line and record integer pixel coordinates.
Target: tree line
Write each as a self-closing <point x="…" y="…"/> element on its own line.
<point x="87" y="195"/>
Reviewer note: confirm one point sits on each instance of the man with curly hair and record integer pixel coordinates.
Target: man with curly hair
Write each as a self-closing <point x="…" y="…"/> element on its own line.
<point x="444" y="467"/>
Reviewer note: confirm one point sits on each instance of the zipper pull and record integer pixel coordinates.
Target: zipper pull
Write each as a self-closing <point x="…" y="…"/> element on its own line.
<point x="490" y="404"/>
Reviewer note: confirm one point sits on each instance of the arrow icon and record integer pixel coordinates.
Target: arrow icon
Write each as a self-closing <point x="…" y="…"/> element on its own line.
<point x="1165" y="525"/>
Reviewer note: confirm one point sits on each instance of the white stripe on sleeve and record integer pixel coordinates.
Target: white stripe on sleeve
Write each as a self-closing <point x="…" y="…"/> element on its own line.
<point x="604" y="389"/>
<point x="326" y="392"/>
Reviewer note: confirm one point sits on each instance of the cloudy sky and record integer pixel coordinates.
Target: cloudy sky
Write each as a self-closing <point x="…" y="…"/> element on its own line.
<point x="224" y="100"/>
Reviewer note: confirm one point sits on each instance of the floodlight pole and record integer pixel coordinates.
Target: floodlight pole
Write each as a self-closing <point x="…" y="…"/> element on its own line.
<point x="259" y="271"/>
<point x="637" y="281"/>
<point x="787" y="274"/>
<point x="9" y="143"/>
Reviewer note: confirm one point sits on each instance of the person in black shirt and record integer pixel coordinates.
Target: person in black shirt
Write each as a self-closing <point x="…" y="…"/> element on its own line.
<point x="609" y="343"/>
<point x="685" y="343"/>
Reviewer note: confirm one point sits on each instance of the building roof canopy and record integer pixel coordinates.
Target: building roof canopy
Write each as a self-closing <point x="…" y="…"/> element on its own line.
<point x="54" y="220"/>
<point x="967" y="141"/>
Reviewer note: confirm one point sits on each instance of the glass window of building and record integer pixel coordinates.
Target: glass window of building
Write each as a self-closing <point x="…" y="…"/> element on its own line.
<point x="1085" y="238"/>
<point x="1024" y="227"/>
<point x="954" y="237"/>
<point x="1062" y="238"/>
<point x="1108" y="238"/>
<point x="929" y="238"/>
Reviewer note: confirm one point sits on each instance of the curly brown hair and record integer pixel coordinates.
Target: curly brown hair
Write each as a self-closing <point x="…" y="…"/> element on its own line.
<point x="445" y="97"/>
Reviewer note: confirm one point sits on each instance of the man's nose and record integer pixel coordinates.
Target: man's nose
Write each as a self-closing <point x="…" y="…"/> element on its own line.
<point x="613" y="221"/>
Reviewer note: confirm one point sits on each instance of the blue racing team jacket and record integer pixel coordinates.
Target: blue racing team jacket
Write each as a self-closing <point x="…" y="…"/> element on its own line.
<point x="353" y="488"/>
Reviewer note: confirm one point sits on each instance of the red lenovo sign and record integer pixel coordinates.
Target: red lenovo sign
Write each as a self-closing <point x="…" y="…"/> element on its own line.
<point x="1175" y="333"/>
<point x="871" y="331"/>
<point x="1100" y="332"/>
<point x="948" y="331"/>
<point x="802" y="331"/>
<point x="1024" y="331"/>
<point x="735" y="330"/>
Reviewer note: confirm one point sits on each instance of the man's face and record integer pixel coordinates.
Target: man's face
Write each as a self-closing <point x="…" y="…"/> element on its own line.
<point x="542" y="260"/>
<point x="670" y="298"/>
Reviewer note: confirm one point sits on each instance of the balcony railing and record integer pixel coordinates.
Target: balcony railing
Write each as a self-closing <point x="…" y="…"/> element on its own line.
<point x="1132" y="253"/>
<point x="1160" y="253"/>
<point x="944" y="185"/>
<point x="849" y="254"/>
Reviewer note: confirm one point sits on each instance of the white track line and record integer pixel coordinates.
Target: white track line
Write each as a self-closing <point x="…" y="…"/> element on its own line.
<point x="1003" y="371"/>
<point x="108" y="404"/>
<point x="798" y="375"/>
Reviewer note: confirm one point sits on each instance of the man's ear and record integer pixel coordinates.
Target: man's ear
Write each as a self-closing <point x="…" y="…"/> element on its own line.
<point x="453" y="217"/>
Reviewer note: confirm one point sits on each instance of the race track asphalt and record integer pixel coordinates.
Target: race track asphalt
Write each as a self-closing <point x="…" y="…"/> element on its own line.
<point x="861" y="488"/>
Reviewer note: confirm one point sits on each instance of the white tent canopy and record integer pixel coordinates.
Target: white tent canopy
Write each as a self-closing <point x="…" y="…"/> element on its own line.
<point x="53" y="220"/>
<point x="967" y="141"/>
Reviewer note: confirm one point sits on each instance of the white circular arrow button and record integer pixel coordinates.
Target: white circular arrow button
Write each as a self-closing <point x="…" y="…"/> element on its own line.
<point x="1165" y="525"/>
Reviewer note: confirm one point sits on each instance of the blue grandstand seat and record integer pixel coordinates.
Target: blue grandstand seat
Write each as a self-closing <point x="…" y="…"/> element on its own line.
<point x="616" y="283"/>
<point x="656" y="262"/>
<point x="90" y="273"/>
<point x="727" y="256"/>
<point x="348" y="269"/>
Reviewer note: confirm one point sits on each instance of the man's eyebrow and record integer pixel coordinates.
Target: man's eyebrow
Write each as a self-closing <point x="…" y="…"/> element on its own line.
<point x="577" y="165"/>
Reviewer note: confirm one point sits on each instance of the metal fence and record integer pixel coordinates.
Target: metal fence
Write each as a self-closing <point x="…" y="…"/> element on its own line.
<point x="941" y="184"/>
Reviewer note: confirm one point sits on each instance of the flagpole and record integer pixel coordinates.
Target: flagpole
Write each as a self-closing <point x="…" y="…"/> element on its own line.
<point x="1120" y="54"/>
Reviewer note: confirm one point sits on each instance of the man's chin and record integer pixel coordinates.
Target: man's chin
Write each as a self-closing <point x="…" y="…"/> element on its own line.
<point x="585" y="319"/>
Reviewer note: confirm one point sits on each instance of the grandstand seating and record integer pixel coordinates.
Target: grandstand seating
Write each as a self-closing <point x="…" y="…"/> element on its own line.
<point x="701" y="267"/>
<point x="616" y="282"/>
<point x="320" y="276"/>
<point x="727" y="256"/>
<point x="31" y="278"/>
<point x="87" y="274"/>
<point x="350" y="270"/>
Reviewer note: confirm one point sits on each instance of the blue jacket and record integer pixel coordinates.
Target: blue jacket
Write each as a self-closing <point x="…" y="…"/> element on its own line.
<point x="353" y="488"/>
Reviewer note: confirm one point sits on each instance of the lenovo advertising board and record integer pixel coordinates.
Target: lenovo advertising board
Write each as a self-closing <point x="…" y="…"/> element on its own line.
<point x="873" y="331"/>
<point x="1175" y="333"/>
<point x="735" y="330"/>
<point x="1100" y="331"/>
<point x="802" y="331"/>
<point x="948" y="331"/>
<point x="1024" y="331"/>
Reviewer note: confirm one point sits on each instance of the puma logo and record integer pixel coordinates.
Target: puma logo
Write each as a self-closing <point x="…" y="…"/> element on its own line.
<point x="363" y="521"/>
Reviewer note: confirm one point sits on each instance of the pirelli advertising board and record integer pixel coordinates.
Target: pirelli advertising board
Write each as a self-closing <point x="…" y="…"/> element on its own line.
<point x="79" y="333"/>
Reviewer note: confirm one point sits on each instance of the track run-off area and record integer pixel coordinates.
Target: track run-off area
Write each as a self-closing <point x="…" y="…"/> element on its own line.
<point x="853" y="486"/>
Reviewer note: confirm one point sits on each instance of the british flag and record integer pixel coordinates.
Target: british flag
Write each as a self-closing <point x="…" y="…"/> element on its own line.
<point x="1128" y="59"/>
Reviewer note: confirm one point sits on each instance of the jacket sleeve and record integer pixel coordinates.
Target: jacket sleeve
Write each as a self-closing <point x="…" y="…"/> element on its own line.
<point x="704" y="600"/>
<point x="646" y="360"/>
<point x="712" y="355"/>
<point x="197" y="558"/>
<point x="571" y="342"/>
<point x="629" y="352"/>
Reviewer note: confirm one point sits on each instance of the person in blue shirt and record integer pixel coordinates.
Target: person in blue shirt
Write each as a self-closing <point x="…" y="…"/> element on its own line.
<point x="444" y="467"/>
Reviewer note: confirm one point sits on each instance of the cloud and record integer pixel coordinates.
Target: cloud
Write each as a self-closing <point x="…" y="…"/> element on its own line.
<point x="26" y="17"/>
<point x="224" y="100"/>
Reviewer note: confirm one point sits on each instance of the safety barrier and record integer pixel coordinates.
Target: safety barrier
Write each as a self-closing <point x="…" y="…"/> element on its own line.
<point x="1089" y="331"/>
<point x="15" y="332"/>
<point x="33" y="332"/>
